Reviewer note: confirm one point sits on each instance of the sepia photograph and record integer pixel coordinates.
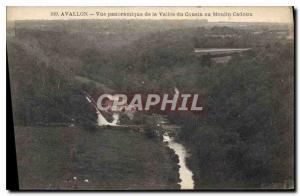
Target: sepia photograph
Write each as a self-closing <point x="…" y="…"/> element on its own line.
<point x="152" y="98"/>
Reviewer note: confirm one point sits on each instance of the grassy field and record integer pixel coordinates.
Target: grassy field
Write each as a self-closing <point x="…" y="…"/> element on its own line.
<point x="110" y="159"/>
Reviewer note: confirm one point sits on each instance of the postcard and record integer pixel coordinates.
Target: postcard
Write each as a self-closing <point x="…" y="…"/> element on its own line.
<point x="151" y="98"/>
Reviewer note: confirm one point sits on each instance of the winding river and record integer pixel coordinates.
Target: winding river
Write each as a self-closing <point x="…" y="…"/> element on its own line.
<point x="185" y="174"/>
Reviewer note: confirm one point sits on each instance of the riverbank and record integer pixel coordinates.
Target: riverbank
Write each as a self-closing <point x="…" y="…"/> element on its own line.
<point x="108" y="159"/>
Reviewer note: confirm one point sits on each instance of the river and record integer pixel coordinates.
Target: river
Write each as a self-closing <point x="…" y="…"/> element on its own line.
<point x="185" y="174"/>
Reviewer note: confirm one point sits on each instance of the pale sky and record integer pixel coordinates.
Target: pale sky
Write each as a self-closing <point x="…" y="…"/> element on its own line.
<point x="229" y="14"/>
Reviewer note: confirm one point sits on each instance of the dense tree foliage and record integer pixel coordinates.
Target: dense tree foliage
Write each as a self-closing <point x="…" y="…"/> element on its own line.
<point x="245" y="138"/>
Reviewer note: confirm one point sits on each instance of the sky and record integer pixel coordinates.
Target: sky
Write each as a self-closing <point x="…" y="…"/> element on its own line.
<point x="225" y="14"/>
